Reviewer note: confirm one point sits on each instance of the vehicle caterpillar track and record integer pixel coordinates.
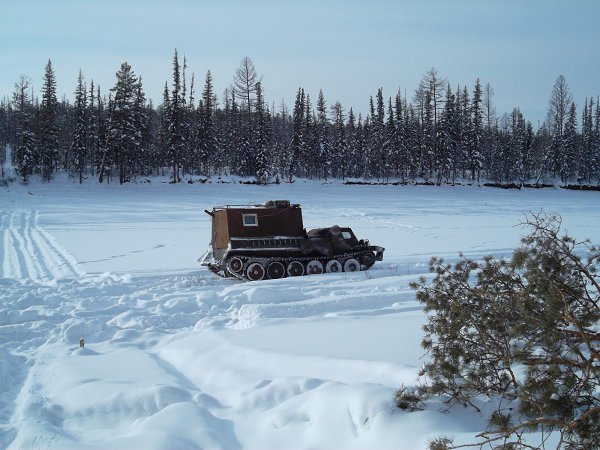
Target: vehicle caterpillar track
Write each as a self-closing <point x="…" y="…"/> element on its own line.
<point x="268" y="241"/>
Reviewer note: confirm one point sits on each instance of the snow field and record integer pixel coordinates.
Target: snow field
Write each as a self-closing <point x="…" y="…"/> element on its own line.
<point x="177" y="357"/>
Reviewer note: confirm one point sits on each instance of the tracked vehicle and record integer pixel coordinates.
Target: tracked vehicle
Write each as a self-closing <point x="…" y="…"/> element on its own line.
<point x="269" y="241"/>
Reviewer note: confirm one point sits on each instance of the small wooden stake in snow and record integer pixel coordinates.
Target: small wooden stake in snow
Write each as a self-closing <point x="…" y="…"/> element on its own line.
<point x="81" y="343"/>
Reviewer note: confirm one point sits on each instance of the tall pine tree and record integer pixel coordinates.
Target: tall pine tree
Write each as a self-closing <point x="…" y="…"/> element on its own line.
<point x="80" y="140"/>
<point x="123" y="132"/>
<point x="262" y="139"/>
<point x="48" y="136"/>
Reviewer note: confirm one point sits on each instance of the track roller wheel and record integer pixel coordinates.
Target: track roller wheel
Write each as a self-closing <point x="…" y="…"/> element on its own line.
<point x="351" y="265"/>
<point x="314" y="267"/>
<point x="367" y="259"/>
<point x="333" y="266"/>
<point x="295" y="269"/>
<point x="255" y="271"/>
<point x="275" y="270"/>
<point x="235" y="264"/>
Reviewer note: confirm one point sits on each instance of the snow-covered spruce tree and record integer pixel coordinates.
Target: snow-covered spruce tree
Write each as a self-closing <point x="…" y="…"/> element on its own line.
<point x="541" y="151"/>
<point x="570" y="154"/>
<point x="412" y="141"/>
<point x="361" y="148"/>
<point x="123" y="136"/>
<point x="476" y="157"/>
<point x="25" y="152"/>
<point x="163" y="130"/>
<point x="370" y="162"/>
<point x="297" y="142"/>
<point x="261" y="138"/>
<point x="192" y="118"/>
<point x="281" y="137"/>
<point x="352" y="147"/>
<point x="585" y="142"/>
<point x="100" y="135"/>
<point x="338" y="143"/>
<point x="325" y="158"/>
<point x="80" y="139"/>
<point x="175" y="137"/>
<point x="93" y="141"/>
<point x="379" y="134"/>
<point x="207" y="134"/>
<point x="186" y="156"/>
<point x="496" y="162"/>
<point x="490" y="121"/>
<point x="428" y="137"/>
<point x="389" y="142"/>
<point x="448" y="140"/>
<point x="372" y="135"/>
<point x="466" y="133"/>
<point x="367" y="144"/>
<point x="513" y="159"/>
<point x="104" y="159"/>
<point x="392" y="144"/>
<point x="150" y="141"/>
<point x="522" y="334"/>
<point x="399" y="155"/>
<point x="231" y="132"/>
<point x="247" y="157"/>
<point x="310" y="149"/>
<point x="527" y="153"/>
<point x="48" y="135"/>
<point x="138" y="155"/>
<point x="507" y="151"/>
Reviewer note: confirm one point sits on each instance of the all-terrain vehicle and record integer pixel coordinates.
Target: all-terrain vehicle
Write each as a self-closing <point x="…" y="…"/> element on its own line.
<point x="269" y="241"/>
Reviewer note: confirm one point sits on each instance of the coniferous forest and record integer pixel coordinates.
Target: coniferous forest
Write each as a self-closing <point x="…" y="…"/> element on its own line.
<point x="442" y="133"/>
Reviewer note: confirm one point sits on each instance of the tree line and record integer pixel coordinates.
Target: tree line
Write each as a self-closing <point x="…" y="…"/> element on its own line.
<point x="441" y="134"/>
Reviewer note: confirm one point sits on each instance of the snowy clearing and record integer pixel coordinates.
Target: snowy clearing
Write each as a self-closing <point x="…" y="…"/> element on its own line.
<point x="176" y="357"/>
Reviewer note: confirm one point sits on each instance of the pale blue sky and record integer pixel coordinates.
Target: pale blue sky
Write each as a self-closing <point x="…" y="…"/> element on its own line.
<point x="347" y="48"/>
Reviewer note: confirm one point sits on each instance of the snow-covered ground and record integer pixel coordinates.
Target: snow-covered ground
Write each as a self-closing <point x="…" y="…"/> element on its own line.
<point x="176" y="357"/>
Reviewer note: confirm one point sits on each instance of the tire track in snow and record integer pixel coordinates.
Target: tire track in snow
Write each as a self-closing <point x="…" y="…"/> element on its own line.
<point x="10" y="264"/>
<point x="18" y="262"/>
<point x="33" y="247"/>
<point x="18" y="266"/>
<point x="30" y="252"/>
<point x="63" y="263"/>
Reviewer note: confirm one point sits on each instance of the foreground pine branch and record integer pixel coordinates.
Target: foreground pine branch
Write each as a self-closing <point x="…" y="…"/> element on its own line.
<point x="522" y="334"/>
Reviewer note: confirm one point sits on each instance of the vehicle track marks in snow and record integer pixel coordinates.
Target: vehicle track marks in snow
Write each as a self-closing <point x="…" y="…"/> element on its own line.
<point x="30" y="252"/>
<point x="14" y="261"/>
<point x="33" y="248"/>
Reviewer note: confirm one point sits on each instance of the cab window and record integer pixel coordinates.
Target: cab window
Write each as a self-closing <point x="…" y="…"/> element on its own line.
<point x="250" y="220"/>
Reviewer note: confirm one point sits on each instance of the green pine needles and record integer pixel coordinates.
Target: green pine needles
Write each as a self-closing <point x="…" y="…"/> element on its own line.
<point x="522" y="335"/>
